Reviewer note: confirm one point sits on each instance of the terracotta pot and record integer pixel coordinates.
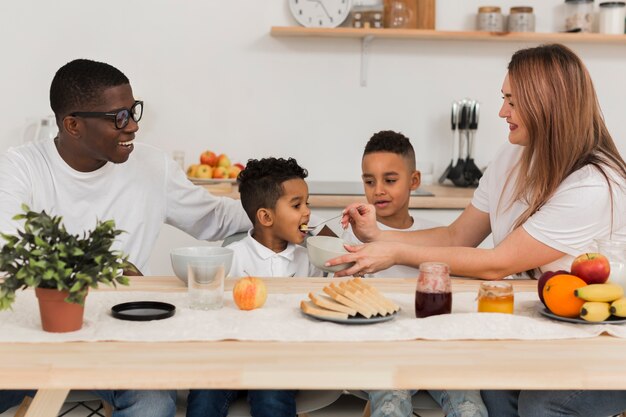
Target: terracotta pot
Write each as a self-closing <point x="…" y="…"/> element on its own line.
<point x="57" y="316"/>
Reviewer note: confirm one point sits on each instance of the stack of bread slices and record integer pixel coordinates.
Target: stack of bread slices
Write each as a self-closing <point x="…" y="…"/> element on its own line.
<point x="348" y="299"/>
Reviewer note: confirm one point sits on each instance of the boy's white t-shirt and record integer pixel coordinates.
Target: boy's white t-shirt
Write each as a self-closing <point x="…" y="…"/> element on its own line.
<point x="396" y="271"/>
<point x="252" y="258"/>
<point x="141" y="194"/>
<point x="577" y="213"/>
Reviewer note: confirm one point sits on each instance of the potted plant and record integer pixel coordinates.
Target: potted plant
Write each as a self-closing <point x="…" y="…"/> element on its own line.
<point x="60" y="266"/>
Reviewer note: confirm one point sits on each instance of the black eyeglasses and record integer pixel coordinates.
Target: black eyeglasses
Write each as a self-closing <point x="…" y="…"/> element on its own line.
<point x="121" y="116"/>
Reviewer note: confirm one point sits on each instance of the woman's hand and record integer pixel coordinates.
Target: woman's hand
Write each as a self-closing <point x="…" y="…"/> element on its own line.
<point x="362" y="218"/>
<point x="368" y="258"/>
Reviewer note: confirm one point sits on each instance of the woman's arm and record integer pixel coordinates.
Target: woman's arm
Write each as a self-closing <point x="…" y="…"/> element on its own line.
<point x="517" y="253"/>
<point x="469" y="229"/>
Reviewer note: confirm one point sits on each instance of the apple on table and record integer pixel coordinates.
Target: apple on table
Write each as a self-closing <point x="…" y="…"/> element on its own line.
<point x="593" y="268"/>
<point x="249" y="293"/>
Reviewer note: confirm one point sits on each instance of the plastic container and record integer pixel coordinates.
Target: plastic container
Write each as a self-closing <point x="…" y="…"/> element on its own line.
<point x="579" y="15"/>
<point x="490" y="19"/>
<point x="611" y="17"/>
<point x="521" y="19"/>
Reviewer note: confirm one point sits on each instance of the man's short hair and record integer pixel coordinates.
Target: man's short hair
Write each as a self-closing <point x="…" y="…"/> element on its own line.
<point x="261" y="182"/>
<point x="78" y="85"/>
<point x="390" y="141"/>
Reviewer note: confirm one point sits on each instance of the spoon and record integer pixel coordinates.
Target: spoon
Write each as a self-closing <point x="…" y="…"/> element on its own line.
<point x="307" y="228"/>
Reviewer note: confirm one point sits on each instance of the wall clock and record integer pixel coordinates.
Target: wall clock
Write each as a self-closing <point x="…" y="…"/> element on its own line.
<point x="320" y="13"/>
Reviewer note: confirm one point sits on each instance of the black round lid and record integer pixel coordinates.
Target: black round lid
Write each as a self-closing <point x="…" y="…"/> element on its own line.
<point x="143" y="310"/>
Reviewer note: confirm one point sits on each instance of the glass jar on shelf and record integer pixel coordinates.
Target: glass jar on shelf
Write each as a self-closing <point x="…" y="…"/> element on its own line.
<point x="400" y="14"/>
<point x="521" y="19"/>
<point x="367" y="14"/>
<point x="490" y="19"/>
<point x="579" y="15"/>
<point x="611" y="17"/>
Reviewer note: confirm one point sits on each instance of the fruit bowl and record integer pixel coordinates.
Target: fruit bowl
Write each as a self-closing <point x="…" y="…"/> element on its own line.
<point x="323" y="248"/>
<point x="180" y="257"/>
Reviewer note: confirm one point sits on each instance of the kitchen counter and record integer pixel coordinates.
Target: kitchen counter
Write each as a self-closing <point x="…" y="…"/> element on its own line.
<point x="444" y="197"/>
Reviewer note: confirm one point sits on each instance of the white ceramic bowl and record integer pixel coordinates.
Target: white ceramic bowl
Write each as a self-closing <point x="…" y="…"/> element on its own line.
<point x="324" y="248"/>
<point x="180" y="257"/>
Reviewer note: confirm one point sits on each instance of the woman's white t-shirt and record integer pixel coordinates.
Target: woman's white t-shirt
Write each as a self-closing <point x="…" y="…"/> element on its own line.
<point x="578" y="212"/>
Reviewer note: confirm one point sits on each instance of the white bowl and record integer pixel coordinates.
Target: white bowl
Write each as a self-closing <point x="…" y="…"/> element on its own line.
<point x="323" y="248"/>
<point x="180" y="257"/>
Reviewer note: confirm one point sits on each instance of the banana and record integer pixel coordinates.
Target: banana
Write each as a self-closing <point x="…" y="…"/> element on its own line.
<point x="595" y="311"/>
<point x="600" y="292"/>
<point x="618" y="307"/>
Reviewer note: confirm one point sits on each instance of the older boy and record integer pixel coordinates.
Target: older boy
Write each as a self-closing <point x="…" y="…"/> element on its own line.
<point x="275" y="197"/>
<point x="389" y="175"/>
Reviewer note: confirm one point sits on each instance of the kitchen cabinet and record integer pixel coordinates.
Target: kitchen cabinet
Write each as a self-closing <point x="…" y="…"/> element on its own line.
<point x="367" y="35"/>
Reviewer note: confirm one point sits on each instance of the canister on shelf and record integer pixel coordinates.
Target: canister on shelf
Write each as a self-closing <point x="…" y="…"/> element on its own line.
<point x="612" y="16"/>
<point x="521" y="19"/>
<point x="367" y="13"/>
<point x="579" y="15"/>
<point x="490" y="19"/>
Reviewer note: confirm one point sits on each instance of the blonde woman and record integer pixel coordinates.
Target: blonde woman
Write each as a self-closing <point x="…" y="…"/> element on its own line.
<point x="556" y="186"/>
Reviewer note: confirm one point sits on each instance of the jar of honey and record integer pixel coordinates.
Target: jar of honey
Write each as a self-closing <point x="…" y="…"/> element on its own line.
<point x="495" y="297"/>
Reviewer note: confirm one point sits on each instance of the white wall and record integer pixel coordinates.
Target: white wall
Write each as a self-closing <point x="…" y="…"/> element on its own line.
<point x="212" y="77"/>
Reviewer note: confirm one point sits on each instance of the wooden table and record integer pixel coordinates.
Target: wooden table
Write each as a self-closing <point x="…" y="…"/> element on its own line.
<point x="54" y="368"/>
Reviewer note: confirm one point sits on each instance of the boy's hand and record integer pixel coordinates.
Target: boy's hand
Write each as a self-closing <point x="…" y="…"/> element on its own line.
<point x="362" y="218"/>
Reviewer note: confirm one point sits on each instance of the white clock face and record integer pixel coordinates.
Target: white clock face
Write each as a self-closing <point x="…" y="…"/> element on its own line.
<point x="320" y="13"/>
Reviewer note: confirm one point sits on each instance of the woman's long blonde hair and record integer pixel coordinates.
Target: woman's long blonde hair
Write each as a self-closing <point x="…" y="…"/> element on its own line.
<point x="557" y="103"/>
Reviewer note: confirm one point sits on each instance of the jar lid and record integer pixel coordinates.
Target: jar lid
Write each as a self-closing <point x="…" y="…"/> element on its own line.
<point x="521" y="9"/>
<point x="578" y="1"/>
<point x="613" y="4"/>
<point x="495" y="289"/>
<point x="489" y="9"/>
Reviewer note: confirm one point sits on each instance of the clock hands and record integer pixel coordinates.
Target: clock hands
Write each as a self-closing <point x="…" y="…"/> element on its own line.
<point x="321" y="3"/>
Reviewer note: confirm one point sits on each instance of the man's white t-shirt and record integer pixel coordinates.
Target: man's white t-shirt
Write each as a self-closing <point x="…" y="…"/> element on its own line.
<point x="252" y="258"/>
<point x="578" y="212"/>
<point x="396" y="271"/>
<point x="140" y="195"/>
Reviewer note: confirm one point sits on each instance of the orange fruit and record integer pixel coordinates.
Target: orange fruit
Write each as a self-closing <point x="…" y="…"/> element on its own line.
<point x="558" y="293"/>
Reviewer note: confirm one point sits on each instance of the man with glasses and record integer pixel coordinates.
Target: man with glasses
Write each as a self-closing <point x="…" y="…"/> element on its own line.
<point x="94" y="170"/>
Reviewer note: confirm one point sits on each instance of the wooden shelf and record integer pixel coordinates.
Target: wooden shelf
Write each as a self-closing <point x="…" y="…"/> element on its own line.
<point x="423" y="34"/>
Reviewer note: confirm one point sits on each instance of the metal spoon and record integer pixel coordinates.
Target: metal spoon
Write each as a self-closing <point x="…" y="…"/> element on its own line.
<point x="307" y="228"/>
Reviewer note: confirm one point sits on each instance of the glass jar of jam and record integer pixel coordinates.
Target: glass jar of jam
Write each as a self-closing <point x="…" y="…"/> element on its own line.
<point x="433" y="294"/>
<point x="495" y="297"/>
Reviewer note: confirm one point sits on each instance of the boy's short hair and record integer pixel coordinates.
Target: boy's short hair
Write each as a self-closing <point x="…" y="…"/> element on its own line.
<point x="261" y="182"/>
<point x="79" y="84"/>
<point x="394" y="142"/>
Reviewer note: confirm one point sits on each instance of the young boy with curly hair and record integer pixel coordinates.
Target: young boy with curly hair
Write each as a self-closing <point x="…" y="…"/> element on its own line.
<point x="275" y="197"/>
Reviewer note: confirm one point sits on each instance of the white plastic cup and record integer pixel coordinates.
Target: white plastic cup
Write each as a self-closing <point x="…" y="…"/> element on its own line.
<point x="205" y="282"/>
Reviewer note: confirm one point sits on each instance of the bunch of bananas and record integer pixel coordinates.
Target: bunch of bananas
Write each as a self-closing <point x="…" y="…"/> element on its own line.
<point x="602" y="301"/>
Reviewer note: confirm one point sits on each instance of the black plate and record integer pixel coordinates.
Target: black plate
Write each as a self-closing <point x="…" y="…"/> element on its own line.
<point x="143" y="310"/>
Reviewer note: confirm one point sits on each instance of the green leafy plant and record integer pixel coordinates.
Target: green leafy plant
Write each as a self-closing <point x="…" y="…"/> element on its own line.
<point x="45" y="255"/>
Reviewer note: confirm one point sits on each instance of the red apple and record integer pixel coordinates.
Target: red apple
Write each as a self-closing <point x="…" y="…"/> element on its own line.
<point x="204" y="171"/>
<point x="208" y="158"/>
<point x="544" y="278"/>
<point x="223" y="161"/>
<point x="249" y="293"/>
<point x="593" y="268"/>
<point x="240" y="166"/>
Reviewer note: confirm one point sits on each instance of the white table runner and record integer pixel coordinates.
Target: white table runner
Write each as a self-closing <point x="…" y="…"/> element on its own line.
<point x="281" y="320"/>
